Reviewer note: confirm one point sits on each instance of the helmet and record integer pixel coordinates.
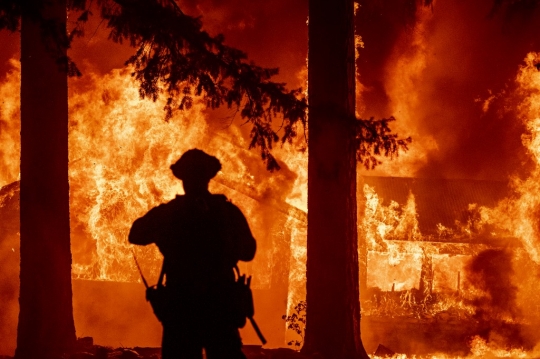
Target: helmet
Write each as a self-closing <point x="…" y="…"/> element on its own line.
<point x="196" y="164"/>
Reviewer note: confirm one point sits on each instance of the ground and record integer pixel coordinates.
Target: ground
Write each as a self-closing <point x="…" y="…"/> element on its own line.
<point x="89" y="351"/>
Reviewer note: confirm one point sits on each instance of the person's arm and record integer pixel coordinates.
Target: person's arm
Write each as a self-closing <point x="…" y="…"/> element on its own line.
<point x="149" y="228"/>
<point x="245" y="243"/>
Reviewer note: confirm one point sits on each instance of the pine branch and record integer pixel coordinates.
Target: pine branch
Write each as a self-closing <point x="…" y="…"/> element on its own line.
<point x="374" y="139"/>
<point x="176" y="58"/>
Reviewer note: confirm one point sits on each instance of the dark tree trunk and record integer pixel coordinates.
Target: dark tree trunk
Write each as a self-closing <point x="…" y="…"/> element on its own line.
<point x="333" y="312"/>
<point x="46" y="327"/>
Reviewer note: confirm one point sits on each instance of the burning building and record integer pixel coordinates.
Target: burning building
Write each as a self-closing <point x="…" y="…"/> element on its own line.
<point x="424" y="276"/>
<point x="447" y="265"/>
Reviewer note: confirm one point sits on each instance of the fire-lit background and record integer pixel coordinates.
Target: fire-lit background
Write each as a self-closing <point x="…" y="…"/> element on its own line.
<point x="449" y="229"/>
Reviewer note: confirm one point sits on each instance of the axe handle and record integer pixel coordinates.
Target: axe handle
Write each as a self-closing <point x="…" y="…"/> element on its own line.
<point x="257" y="330"/>
<point x="139" y="268"/>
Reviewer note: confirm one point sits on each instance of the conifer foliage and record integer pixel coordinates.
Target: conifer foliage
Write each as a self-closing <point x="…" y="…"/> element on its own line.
<point x="176" y="57"/>
<point x="173" y="57"/>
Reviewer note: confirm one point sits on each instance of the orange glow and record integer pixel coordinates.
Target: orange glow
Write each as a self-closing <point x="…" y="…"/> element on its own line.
<point x="518" y="215"/>
<point x="121" y="150"/>
<point x="10" y="124"/>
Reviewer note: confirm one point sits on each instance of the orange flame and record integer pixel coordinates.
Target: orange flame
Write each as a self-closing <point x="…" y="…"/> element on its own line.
<point x="121" y="148"/>
<point x="10" y="125"/>
<point x="518" y="215"/>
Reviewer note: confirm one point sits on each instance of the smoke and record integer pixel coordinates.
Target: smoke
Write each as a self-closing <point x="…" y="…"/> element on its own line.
<point x="492" y="273"/>
<point x="500" y="319"/>
<point x="445" y="76"/>
<point x="273" y="33"/>
<point x="443" y="71"/>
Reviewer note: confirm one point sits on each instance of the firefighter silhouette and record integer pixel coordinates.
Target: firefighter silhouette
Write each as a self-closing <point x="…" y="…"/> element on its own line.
<point x="202" y="236"/>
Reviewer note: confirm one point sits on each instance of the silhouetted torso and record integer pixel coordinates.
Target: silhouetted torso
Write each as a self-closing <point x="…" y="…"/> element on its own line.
<point x="202" y="237"/>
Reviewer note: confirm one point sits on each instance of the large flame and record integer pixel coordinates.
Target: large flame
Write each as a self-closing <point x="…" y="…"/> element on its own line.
<point x="519" y="214"/>
<point x="120" y="153"/>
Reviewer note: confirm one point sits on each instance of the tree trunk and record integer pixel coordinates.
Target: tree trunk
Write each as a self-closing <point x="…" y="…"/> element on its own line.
<point x="46" y="327"/>
<point x="333" y="308"/>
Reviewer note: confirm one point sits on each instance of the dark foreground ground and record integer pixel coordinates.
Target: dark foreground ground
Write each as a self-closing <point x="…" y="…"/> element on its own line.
<point x="446" y="332"/>
<point x="100" y="352"/>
